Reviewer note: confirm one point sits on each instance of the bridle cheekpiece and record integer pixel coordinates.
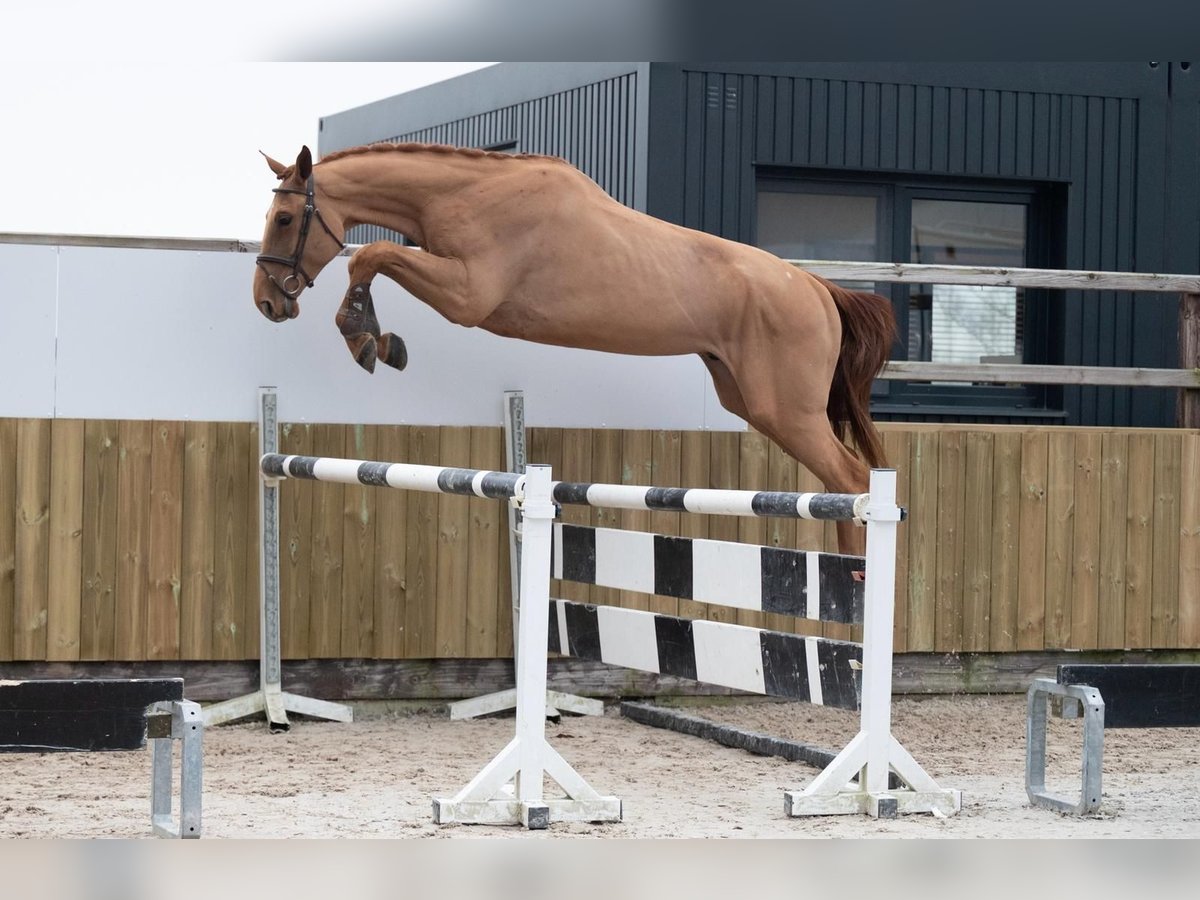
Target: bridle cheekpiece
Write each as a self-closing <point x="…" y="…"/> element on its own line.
<point x="298" y="278"/>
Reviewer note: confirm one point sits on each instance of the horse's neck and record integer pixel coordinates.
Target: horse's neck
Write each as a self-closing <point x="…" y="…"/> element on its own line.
<point x="394" y="189"/>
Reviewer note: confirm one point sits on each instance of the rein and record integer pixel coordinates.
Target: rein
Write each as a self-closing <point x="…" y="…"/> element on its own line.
<point x="298" y="278"/>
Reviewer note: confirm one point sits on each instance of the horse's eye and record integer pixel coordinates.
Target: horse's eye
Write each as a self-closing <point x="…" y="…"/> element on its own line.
<point x="285" y="219"/>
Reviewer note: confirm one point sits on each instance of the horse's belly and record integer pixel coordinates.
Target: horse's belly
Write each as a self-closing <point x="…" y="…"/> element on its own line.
<point x="591" y="326"/>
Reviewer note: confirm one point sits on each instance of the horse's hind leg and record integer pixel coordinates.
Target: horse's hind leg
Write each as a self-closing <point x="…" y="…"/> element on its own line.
<point x="357" y="322"/>
<point x="806" y="436"/>
<point x="785" y="398"/>
<point x="810" y="439"/>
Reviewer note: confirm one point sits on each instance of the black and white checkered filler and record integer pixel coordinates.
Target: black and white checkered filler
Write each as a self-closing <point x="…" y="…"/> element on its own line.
<point x="815" y="670"/>
<point x="806" y="584"/>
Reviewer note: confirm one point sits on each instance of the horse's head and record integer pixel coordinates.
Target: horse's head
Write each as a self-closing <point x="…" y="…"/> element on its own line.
<point x="293" y="252"/>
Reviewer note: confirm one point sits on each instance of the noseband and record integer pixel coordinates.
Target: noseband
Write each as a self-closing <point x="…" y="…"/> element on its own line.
<point x="298" y="278"/>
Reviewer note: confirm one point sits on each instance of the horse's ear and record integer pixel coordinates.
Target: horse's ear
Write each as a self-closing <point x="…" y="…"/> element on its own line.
<point x="304" y="164"/>
<point x="277" y="167"/>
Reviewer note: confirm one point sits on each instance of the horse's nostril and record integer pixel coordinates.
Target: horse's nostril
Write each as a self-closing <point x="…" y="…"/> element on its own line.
<point x="264" y="306"/>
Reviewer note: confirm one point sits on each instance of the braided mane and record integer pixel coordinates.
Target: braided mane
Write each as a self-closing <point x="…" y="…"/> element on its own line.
<point x="445" y="149"/>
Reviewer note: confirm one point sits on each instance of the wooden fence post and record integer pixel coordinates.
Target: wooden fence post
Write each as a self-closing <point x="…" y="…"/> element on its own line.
<point x="1188" y="409"/>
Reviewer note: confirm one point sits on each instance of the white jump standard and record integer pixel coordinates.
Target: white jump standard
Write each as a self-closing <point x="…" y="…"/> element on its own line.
<point x="509" y="789"/>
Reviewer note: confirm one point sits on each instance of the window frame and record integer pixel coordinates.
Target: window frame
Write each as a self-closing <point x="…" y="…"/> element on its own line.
<point x="1046" y="207"/>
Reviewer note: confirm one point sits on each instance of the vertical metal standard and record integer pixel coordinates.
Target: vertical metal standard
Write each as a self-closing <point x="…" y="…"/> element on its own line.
<point x="270" y="696"/>
<point x="515" y="460"/>
<point x="874" y="753"/>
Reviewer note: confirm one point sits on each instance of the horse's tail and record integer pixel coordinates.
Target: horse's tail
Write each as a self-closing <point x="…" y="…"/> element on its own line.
<point x="868" y="329"/>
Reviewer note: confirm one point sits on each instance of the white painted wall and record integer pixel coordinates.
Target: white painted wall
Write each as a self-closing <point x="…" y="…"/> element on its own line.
<point x="135" y="333"/>
<point x="28" y="282"/>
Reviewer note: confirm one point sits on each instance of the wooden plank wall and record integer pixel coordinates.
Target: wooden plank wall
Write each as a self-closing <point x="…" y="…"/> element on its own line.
<point x="138" y="540"/>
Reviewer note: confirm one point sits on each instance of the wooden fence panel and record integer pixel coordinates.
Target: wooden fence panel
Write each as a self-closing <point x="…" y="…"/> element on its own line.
<point x="922" y="526"/>
<point x="325" y="557"/>
<point x="133" y="538"/>
<point x="1085" y="542"/>
<point x="488" y="525"/>
<point x="64" y="602"/>
<point x="138" y="540"/>
<point x="391" y="551"/>
<point x="359" y="541"/>
<point x="250" y="575"/>
<point x="1114" y="504"/>
<point x="1139" y="541"/>
<point x="8" y="534"/>
<point x="32" y="572"/>
<point x="948" y="596"/>
<point x="1060" y="511"/>
<point x="898" y="446"/>
<point x="1189" y="543"/>
<point x="1031" y="582"/>
<point x="1006" y="528"/>
<point x="235" y="495"/>
<point x="295" y="550"/>
<point x="1164" y="602"/>
<point x="164" y="562"/>
<point x="101" y="488"/>
<point x="420" y="612"/>
<point x="453" y="559"/>
<point x="977" y="541"/>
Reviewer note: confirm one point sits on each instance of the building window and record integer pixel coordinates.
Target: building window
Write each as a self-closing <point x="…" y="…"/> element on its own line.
<point x="954" y="323"/>
<point x="937" y="222"/>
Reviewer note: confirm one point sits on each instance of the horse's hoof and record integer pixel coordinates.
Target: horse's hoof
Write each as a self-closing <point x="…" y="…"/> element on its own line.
<point x="365" y="351"/>
<point x="393" y="352"/>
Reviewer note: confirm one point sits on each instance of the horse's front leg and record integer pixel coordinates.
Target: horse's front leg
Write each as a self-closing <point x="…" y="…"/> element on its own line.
<point x="438" y="281"/>
<point x="358" y="324"/>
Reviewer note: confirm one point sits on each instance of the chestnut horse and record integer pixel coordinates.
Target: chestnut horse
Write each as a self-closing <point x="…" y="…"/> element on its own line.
<point x="529" y="247"/>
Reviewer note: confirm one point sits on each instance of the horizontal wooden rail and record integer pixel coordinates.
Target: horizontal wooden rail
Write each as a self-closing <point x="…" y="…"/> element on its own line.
<point x="998" y="276"/>
<point x="1185" y="287"/>
<point x="898" y="370"/>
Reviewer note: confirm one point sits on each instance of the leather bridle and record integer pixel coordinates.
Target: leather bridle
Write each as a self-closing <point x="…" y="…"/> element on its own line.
<point x="298" y="278"/>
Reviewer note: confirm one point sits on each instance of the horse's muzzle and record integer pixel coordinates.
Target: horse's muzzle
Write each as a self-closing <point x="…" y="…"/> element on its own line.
<point x="291" y="309"/>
